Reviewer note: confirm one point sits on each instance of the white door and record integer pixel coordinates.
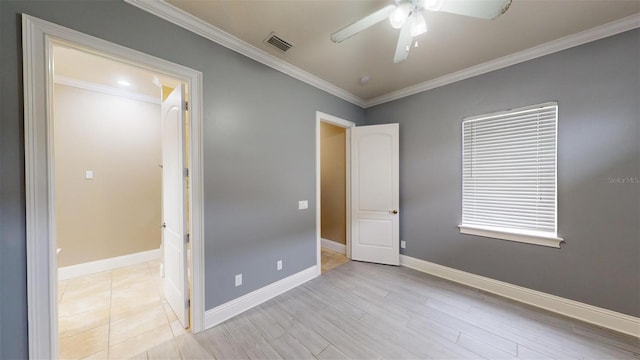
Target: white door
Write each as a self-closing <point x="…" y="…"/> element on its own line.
<point x="375" y="194"/>
<point x="173" y="205"/>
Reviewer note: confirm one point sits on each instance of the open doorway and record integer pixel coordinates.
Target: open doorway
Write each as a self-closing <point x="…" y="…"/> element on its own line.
<point x="333" y="195"/>
<point x="110" y="152"/>
<point x="333" y="167"/>
<point x="372" y="191"/>
<point x="39" y="39"/>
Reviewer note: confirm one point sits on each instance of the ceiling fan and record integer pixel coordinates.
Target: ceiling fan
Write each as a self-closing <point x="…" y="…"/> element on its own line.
<point x="407" y="15"/>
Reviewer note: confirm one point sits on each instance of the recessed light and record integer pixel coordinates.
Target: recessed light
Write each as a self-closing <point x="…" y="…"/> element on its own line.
<point x="124" y="83"/>
<point x="156" y="81"/>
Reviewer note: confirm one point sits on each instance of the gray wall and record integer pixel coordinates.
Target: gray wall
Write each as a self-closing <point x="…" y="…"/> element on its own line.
<point x="597" y="87"/>
<point x="259" y="154"/>
<point x="259" y="161"/>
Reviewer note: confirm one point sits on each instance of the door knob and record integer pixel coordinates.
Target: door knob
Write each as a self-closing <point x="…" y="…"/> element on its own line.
<point x="164" y="225"/>
<point x="394" y="211"/>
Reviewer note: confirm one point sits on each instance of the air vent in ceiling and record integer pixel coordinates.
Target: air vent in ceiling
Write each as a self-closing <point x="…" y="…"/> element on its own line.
<point x="278" y="42"/>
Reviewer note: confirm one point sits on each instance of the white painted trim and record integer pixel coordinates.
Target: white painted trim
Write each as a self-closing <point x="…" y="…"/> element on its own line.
<point x="92" y="267"/>
<point x="347" y="125"/>
<point x="168" y="12"/>
<point x="104" y="89"/>
<point x="348" y="191"/>
<point x="41" y="282"/>
<point x="38" y="39"/>
<point x="592" y="314"/>
<point x="593" y="34"/>
<point x="196" y="201"/>
<point x="237" y="306"/>
<point x="512" y="236"/>
<point x="334" y="120"/>
<point x="334" y="245"/>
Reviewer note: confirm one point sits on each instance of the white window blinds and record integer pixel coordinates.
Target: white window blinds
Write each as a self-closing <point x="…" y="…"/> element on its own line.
<point x="509" y="171"/>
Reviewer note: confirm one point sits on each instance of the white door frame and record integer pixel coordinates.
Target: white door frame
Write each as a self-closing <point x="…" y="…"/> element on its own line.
<point x="347" y="125"/>
<point x="38" y="37"/>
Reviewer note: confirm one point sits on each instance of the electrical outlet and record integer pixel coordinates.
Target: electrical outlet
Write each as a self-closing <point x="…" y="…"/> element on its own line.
<point x="238" y="280"/>
<point x="88" y="174"/>
<point x="303" y="204"/>
<point x="403" y="244"/>
<point x="279" y="265"/>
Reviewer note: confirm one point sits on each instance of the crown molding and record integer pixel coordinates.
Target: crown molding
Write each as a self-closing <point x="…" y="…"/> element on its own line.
<point x="104" y="89"/>
<point x="168" y="12"/>
<point x="189" y="22"/>
<point x="593" y="34"/>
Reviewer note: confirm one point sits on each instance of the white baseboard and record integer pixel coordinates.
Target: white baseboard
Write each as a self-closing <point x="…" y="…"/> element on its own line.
<point x="237" y="306"/>
<point x="592" y="314"/>
<point x="69" y="272"/>
<point x="333" y="245"/>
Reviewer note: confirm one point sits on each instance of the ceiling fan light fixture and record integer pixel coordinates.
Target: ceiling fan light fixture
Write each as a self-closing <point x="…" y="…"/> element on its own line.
<point x="432" y="5"/>
<point x="399" y="15"/>
<point x="407" y="15"/>
<point x="418" y="24"/>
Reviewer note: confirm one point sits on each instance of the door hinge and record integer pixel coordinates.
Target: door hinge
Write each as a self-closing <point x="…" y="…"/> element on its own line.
<point x="188" y="302"/>
<point x="186" y="172"/>
<point x="187" y="238"/>
<point x="186" y="106"/>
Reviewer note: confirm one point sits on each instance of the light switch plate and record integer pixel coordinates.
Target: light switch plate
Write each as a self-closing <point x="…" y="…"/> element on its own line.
<point x="303" y="204"/>
<point x="238" y="279"/>
<point x="279" y="265"/>
<point x="403" y="244"/>
<point x="88" y="174"/>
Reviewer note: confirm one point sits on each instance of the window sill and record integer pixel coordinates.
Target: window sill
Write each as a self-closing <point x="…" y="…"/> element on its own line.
<point x="512" y="236"/>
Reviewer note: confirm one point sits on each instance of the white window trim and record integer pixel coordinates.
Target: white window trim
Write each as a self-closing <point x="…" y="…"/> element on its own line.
<point x="528" y="238"/>
<point x="522" y="236"/>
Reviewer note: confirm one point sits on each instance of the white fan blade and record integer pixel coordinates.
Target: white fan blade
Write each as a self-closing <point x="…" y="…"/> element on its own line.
<point x="366" y="22"/>
<point x="404" y="43"/>
<point x="482" y="9"/>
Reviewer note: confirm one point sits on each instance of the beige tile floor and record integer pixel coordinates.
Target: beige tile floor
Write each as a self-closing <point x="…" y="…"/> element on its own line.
<point x="331" y="259"/>
<point x="114" y="314"/>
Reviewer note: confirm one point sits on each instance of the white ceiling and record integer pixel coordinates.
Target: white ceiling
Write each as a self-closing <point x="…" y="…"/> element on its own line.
<point x="77" y="65"/>
<point x="453" y="42"/>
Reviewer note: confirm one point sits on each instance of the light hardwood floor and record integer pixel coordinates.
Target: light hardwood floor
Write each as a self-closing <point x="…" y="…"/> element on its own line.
<point x="331" y="259"/>
<point x="114" y="314"/>
<point x="368" y="311"/>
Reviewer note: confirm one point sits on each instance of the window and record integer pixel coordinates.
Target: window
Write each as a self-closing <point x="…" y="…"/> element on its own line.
<point x="509" y="175"/>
